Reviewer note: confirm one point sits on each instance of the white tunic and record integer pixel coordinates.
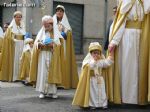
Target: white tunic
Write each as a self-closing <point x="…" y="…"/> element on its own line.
<point x="97" y="90"/>
<point x="1" y="33"/>
<point x="42" y="85"/>
<point x="17" y="55"/>
<point x="129" y="43"/>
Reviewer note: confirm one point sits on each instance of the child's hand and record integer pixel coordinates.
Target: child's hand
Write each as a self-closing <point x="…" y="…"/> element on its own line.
<point x="111" y="55"/>
<point x="92" y="64"/>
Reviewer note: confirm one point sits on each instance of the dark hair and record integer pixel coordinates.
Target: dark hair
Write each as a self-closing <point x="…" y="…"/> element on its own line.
<point x="59" y="9"/>
<point x="115" y="7"/>
<point x="95" y="50"/>
<point x="19" y="14"/>
<point x="7" y="23"/>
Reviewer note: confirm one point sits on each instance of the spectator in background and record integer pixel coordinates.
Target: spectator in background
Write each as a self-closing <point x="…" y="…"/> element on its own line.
<point x="106" y="39"/>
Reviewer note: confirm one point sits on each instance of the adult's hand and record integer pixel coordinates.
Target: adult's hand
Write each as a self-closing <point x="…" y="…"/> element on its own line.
<point x="111" y="47"/>
<point x="40" y="45"/>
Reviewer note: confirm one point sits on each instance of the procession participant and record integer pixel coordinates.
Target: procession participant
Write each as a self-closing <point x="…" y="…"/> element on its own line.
<point x="130" y="38"/>
<point x="25" y="59"/>
<point x="91" y="87"/>
<point x="12" y="49"/>
<point x="64" y="31"/>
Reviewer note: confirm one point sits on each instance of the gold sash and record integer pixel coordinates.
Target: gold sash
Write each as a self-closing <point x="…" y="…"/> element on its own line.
<point x="46" y="48"/>
<point x="18" y="37"/>
<point x="134" y="24"/>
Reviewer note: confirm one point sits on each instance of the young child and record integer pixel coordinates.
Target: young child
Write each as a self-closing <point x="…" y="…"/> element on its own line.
<point x="25" y="60"/>
<point x="91" y="87"/>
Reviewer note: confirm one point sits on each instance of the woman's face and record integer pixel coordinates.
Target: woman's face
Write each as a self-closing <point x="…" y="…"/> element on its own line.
<point x="96" y="54"/>
<point x="18" y="18"/>
<point x="59" y="14"/>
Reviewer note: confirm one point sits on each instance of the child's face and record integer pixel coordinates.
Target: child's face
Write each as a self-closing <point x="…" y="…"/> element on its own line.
<point x="96" y="54"/>
<point x="31" y="44"/>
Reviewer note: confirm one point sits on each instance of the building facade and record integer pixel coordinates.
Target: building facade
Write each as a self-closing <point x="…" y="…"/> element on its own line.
<point x="88" y="18"/>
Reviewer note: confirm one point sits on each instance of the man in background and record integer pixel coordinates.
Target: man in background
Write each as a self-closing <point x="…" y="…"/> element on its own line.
<point x="106" y="39"/>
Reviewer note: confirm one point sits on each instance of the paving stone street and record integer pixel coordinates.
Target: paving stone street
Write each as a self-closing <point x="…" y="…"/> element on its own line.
<point x="15" y="97"/>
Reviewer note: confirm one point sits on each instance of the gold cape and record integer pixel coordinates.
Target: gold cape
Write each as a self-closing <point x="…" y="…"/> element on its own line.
<point x="82" y="94"/>
<point x="144" y="71"/>
<point x="1" y="44"/>
<point x="148" y="61"/>
<point x="144" y="63"/>
<point x="7" y="57"/>
<point x="33" y="65"/>
<point x="54" y="73"/>
<point x="68" y="64"/>
<point x="81" y="97"/>
<point x="24" y="65"/>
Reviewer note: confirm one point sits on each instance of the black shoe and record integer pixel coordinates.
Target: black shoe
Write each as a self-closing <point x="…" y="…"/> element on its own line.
<point x="26" y="83"/>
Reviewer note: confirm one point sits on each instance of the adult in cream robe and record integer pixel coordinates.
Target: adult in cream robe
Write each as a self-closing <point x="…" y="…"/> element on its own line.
<point x="131" y="57"/>
<point x="91" y="87"/>
<point x="1" y="41"/>
<point x="25" y="60"/>
<point x="12" y="49"/>
<point x="64" y="32"/>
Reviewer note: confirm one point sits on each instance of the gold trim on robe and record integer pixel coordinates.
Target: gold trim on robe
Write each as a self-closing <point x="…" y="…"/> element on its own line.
<point x="68" y="63"/>
<point x="144" y="63"/>
<point x="24" y="65"/>
<point x="82" y="94"/>
<point x="1" y="45"/>
<point x="7" y="56"/>
<point x="54" y="73"/>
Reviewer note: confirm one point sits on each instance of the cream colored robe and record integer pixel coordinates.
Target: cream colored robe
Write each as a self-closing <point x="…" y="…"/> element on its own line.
<point x="91" y="87"/>
<point x="129" y="59"/>
<point x="44" y="69"/>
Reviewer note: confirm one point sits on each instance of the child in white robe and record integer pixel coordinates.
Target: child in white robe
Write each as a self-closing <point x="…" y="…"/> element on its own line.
<point x="91" y="87"/>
